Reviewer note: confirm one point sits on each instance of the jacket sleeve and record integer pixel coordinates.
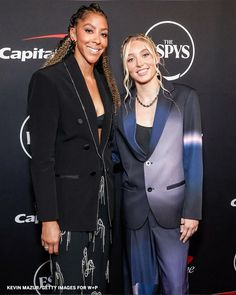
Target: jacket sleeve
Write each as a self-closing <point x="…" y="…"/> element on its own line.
<point x="192" y="157"/>
<point x="44" y="113"/>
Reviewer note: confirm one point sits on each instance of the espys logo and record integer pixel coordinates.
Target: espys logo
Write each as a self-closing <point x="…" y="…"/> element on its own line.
<point x="25" y="137"/>
<point x="7" y="53"/>
<point x="175" y="45"/>
<point x="233" y="203"/>
<point x="43" y="279"/>
<point x="234" y="262"/>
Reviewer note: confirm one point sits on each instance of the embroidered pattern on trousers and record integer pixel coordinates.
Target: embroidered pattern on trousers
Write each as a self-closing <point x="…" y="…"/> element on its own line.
<point x="87" y="267"/>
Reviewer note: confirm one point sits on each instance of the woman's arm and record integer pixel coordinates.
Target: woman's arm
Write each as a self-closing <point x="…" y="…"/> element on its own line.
<point x="193" y="167"/>
<point x="44" y="114"/>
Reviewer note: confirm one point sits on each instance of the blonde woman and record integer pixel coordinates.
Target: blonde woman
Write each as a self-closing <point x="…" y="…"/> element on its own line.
<point x="158" y="136"/>
<point x="71" y="101"/>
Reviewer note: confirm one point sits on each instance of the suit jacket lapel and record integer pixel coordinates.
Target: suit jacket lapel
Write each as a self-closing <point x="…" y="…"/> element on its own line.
<point x="163" y="108"/>
<point x="129" y="126"/>
<point x="162" y="112"/>
<point x="85" y="97"/>
<point x="88" y="103"/>
<point x="82" y="89"/>
<point x="107" y="103"/>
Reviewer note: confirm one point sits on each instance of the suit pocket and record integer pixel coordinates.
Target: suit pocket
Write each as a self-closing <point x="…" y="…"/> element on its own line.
<point x="67" y="176"/>
<point x="175" y="185"/>
<point x="129" y="189"/>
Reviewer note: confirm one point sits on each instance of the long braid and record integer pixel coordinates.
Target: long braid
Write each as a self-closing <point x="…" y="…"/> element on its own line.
<point x="111" y="82"/>
<point x="65" y="47"/>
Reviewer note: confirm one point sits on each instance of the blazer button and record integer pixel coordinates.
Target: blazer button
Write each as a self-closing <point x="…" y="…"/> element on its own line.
<point x="80" y="121"/>
<point x="93" y="173"/>
<point x="86" y="146"/>
<point x="149" y="189"/>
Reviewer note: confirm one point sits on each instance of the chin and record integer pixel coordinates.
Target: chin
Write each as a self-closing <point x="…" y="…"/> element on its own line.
<point x="143" y="81"/>
<point x="93" y="60"/>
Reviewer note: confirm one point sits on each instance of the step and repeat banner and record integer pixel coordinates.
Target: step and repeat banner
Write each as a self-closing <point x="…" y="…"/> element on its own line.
<point x="197" y="41"/>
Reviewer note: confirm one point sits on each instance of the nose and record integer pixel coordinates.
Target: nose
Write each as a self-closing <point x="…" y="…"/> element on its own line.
<point x="97" y="38"/>
<point x="139" y="61"/>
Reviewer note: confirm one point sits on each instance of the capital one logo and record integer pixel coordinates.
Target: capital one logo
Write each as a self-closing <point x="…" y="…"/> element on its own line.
<point x="23" y="218"/>
<point x="25" y="137"/>
<point x="42" y="278"/>
<point x="8" y="53"/>
<point x="175" y="46"/>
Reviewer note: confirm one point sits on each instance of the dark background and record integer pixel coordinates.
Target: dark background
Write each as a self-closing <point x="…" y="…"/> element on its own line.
<point x="212" y="26"/>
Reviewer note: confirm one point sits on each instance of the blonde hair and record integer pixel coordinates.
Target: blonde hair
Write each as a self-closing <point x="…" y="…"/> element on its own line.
<point x="125" y="48"/>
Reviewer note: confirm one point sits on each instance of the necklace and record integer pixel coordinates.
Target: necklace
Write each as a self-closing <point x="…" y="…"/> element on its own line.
<point x="146" y="105"/>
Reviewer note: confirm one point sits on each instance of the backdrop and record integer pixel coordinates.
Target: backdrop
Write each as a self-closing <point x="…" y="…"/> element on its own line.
<point x="197" y="41"/>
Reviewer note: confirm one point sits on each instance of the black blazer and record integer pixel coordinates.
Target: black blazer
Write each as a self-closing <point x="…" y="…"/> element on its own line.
<point x="67" y="160"/>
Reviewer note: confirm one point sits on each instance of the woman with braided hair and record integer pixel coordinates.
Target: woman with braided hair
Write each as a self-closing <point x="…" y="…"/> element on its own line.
<point x="71" y="103"/>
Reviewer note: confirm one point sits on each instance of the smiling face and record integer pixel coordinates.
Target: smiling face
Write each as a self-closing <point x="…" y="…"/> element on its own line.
<point x="140" y="61"/>
<point x="91" y="37"/>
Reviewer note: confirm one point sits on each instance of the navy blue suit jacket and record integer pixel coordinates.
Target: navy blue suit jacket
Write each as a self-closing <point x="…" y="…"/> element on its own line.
<point x="167" y="180"/>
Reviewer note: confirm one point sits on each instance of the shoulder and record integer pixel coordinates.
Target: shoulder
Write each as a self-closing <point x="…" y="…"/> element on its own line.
<point x="177" y="90"/>
<point x="183" y="88"/>
<point x="184" y="92"/>
<point x="50" y="73"/>
<point x="46" y="82"/>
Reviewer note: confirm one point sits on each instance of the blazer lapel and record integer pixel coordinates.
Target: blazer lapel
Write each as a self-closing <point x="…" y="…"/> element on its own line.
<point x="85" y="97"/>
<point x="164" y="104"/>
<point x="129" y="126"/>
<point x="107" y="104"/>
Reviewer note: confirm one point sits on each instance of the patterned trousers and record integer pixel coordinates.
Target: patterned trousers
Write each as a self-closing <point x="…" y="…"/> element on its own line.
<point x="82" y="266"/>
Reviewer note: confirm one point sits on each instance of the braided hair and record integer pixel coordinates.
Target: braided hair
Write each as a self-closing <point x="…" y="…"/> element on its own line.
<point x="66" y="46"/>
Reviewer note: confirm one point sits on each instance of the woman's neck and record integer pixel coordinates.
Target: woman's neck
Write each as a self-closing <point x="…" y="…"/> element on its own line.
<point x="147" y="92"/>
<point x="85" y="67"/>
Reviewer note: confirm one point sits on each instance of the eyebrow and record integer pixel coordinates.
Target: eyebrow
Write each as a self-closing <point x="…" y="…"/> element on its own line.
<point x="139" y="52"/>
<point x="89" y="24"/>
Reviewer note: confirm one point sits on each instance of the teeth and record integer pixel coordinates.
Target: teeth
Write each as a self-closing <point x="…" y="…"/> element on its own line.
<point x="94" y="50"/>
<point x="141" y="72"/>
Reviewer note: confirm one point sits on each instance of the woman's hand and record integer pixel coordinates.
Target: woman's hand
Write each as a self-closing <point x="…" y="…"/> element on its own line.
<point x="187" y="228"/>
<point x="50" y="236"/>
